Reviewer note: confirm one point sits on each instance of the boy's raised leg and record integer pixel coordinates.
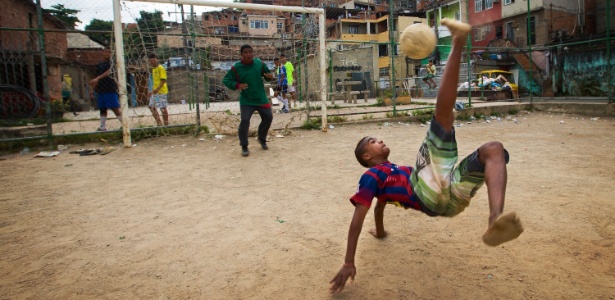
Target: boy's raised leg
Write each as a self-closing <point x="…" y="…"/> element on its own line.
<point x="447" y="94"/>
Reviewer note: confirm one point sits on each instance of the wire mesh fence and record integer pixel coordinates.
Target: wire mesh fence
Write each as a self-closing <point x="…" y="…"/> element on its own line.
<point x="516" y="52"/>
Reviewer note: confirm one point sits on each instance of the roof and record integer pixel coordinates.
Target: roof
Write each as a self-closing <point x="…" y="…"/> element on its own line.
<point x="77" y="40"/>
<point x="226" y="52"/>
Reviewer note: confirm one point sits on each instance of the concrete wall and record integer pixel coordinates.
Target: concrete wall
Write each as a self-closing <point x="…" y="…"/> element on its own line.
<point x="581" y="73"/>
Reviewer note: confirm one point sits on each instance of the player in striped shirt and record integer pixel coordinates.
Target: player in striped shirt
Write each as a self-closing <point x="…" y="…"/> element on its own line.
<point x="436" y="186"/>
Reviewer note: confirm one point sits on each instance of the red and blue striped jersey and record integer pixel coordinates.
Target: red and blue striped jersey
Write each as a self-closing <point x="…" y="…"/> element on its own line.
<point x="387" y="182"/>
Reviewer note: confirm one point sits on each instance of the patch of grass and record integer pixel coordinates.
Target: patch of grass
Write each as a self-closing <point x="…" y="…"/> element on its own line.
<point x="367" y="117"/>
<point x="336" y="119"/>
<point x="513" y="111"/>
<point x="111" y="137"/>
<point x="423" y="112"/>
<point x="496" y="114"/>
<point x="310" y="124"/>
<point x="424" y="118"/>
<point x="397" y="114"/>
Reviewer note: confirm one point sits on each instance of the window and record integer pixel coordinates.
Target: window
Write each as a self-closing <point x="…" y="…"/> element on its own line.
<point x="488" y="4"/>
<point x="383" y="50"/>
<point x="481" y="33"/>
<point x="499" y="32"/>
<point x="506" y="2"/>
<point x="384" y="72"/>
<point x="478" y="5"/>
<point x="259" y="24"/>
<point x="280" y="25"/>
<point x="532" y="32"/>
<point x="353" y="29"/>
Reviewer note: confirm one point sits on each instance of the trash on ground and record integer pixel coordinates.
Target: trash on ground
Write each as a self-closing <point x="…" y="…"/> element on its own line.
<point x="47" y="154"/>
<point x="107" y="150"/>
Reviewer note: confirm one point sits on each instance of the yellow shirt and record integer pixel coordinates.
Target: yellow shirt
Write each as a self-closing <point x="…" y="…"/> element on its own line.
<point x="158" y="74"/>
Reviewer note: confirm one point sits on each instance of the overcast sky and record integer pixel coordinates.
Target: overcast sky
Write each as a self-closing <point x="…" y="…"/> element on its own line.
<point x="103" y="10"/>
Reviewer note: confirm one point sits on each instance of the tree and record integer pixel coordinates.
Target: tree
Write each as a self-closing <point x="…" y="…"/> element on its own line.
<point x="100" y="25"/>
<point x="66" y="15"/>
<point x="150" y="23"/>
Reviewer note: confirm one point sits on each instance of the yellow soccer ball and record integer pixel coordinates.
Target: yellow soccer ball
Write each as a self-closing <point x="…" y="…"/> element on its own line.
<point x="418" y="41"/>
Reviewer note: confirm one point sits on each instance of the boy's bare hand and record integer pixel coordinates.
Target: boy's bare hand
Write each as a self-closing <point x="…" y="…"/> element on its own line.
<point x="374" y="232"/>
<point x="339" y="281"/>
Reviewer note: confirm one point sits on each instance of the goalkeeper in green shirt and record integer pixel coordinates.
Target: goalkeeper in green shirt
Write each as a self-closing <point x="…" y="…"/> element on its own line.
<point x="247" y="76"/>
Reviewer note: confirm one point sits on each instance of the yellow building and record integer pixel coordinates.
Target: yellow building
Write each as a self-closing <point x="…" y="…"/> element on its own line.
<point x="361" y="31"/>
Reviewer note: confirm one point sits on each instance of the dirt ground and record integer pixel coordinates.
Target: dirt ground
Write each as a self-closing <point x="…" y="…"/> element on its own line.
<point x="184" y="218"/>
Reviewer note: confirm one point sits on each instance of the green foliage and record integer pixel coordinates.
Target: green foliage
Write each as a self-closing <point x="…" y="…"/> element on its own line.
<point x="424" y="118"/>
<point x="513" y="111"/>
<point x="336" y="119"/>
<point x="311" y="124"/>
<point x="100" y="25"/>
<point x="367" y="117"/>
<point x="67" y="15"/>
<point x="423" y="112"/>
<point x="112" y="137"/>
<point x="150" y="22"/>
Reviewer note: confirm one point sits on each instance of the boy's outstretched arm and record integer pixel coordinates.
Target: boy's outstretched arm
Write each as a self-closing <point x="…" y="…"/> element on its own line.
<point x="348" y="269"/>
<point x="379" y="232"/>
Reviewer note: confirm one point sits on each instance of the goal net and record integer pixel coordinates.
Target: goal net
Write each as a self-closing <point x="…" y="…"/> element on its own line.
<point x="197" y="43"/>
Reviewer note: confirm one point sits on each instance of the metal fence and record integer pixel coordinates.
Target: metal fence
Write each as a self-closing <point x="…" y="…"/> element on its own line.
<point x="46" y="69"/>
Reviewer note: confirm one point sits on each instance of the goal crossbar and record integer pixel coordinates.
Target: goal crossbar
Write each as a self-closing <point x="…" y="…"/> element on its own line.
<point x="121" y="64"/>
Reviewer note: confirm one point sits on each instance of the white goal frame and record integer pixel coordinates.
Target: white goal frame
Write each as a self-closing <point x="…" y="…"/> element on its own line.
<point x="121" y="64"/>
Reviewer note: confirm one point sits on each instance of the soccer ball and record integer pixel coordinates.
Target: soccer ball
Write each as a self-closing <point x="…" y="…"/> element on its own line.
<point x="418" y="41"/>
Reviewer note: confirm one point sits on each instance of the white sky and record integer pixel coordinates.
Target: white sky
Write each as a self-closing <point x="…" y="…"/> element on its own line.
<point x="103" y="10"/>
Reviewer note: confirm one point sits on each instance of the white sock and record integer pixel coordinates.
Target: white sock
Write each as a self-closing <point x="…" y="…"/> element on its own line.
<point x="285" y="103"/>
<point x="280" y="99"/>
<point x="103" y="122"/>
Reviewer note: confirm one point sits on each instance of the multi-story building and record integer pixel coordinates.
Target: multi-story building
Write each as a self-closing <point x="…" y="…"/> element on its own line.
<point x="19" y="50"/>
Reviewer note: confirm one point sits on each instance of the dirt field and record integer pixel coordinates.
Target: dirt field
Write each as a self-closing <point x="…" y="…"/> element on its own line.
<point x="181" y="218"/>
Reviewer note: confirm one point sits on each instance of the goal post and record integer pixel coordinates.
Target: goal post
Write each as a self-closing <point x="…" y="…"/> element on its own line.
<point x="121" y="63"/>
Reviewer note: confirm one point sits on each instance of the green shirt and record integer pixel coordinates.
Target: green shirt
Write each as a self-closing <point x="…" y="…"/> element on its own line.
<point x="251" y="74"/>
<point x="289" y="72"/>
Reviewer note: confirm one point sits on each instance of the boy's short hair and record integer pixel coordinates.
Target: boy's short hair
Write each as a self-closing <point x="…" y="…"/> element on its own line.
<point x="245" y="47"/>
<point x="152" y="55"/>
<point x="360" y="150"/>
<point x="283" y="55"/>
<point x="276" y="59"/>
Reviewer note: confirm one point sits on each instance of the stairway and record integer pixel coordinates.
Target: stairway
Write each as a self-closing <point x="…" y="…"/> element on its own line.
<point x="522" y="59"/>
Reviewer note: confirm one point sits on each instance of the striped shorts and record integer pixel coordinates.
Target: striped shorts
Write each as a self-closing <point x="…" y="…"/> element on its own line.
<point x="443" y="188"/>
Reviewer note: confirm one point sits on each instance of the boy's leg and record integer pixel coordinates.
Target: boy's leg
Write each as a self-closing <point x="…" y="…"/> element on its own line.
<point x="502" y="227"/>
<point x="118" y="114"/>
<point x="263" y="128"/>
<point x="165" y="115"/>
<point x="244" y="125"/>
<point x="447" y="95"/>
<point x="103" y="119"/>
